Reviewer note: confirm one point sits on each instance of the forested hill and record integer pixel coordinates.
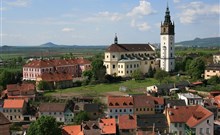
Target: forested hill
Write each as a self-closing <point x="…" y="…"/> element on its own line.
<point x="201" y="42"/>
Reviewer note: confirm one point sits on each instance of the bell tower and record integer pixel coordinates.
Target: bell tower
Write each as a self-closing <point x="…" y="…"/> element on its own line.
<point x="167" y="40"/>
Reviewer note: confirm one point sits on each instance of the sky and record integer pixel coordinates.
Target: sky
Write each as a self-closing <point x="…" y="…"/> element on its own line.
<point x="95" y="22"/>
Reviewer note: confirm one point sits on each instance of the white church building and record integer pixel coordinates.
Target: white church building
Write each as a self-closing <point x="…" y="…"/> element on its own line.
<point x="123" y="59"/>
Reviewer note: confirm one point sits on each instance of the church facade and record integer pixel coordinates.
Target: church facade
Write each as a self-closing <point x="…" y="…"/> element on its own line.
<point x="124" y="59"/>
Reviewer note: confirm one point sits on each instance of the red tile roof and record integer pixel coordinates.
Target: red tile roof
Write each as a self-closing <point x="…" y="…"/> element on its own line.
<point x="107" y="126"/>
<point x="144" y="101"/>
<point x="52" y="107"/>
<point x="120" y="102"/>
<point x="217" y="100"/>
<point x="191" y="115"/>
<point x="17" y="103"/>
<point x="72" y="130"/>
<point x="158" y="100"/>
<point x="127" y="122"/>
<point x="20" y="87"/>
<point x="56" y="77"/>
<point x="129" y="47"/>
<point x="56" y="62"/>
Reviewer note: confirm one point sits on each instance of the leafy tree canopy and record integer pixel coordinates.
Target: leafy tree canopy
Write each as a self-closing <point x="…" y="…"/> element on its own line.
<point x="81" y="116"/>
<point x="45" y="125"/>
<point x="160" y="75"/>
<point x="196" y="68"/>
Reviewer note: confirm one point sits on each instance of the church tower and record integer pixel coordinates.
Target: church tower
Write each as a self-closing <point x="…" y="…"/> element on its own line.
<point x="167" y="49"/>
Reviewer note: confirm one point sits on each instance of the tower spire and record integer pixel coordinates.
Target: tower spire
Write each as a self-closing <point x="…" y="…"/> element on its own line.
<point x="116" y="39"/>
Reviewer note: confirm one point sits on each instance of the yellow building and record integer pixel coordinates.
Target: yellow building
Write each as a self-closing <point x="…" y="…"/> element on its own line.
<point x="124" y="59"/>
<point x="212" y="70"/>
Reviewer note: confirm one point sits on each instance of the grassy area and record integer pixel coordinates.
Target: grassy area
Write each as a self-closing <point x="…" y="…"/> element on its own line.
<point x="99" y="89"/>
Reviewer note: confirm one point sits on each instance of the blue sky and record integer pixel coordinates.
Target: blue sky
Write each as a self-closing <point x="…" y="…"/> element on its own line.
<point x="95" y="22"/>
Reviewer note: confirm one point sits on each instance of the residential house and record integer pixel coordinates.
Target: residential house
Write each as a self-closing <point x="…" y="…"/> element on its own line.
<point x="91" y="109"/>
<point x="72" y="130"/>
<point x="127" y="124"/>
<point x="24" y="91"/>
<point x="57" y="110"/>
<point x="91" y="128"/>
<point x="107" y="126"/>
<point x="212" y="70"/>
<point x="124" y="59"/>
<point x="56" y="80"/>
<point x="152" y="122"/>
<point x="4" y="125"/>
<point x="217" y="103"/>
<point x="212" y="106"/>
<point x="193" y="120"/>
<point x="36" y="68"/>
<point x="216" y="58"/>
<point x="14" y="109"/>
<point x="119" y="105"/>
<point x="159" y="104"/>
<point x="191" y="99"/>
<point x="143" y="104"/>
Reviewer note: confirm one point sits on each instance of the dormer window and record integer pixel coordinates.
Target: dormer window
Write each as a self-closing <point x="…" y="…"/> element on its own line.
<point x="116" y="104"/>
<point x="130" y="103"/>
<point x="124" y="104"/>
<point x="110" y="104"/>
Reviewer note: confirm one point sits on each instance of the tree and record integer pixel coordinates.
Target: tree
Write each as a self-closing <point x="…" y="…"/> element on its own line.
<point x="44" y="125"/>
<point x="43" y="85"/>
<point x="88" y="73"/>
<point x="196" y="68"/>
<point x="137" y="75"/>
<point x="151" y="72"/>
<point x="9" y="77"/>
<point x="81" y="116"/>
<point x="160" y="75"/>
<point x="214" y="80"/>
<point x="98" y="70"/>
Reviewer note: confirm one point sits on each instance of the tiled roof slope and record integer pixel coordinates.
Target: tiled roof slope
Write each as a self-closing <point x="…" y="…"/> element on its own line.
<point x="107" y="126"/>
<point x="127" y="122"/>
<point x="191" y="115"/>
<point x="129" y="48"/>
<point x="72" y="130"/>
<point x="143" y="101"/>
<point x="56" y="77"/>
<point x="120" y="102"/>
<point x="52" y="107"/>
<point x="3" y="120"/>
<point x="20" y="87"/>
<point x="16" y="103"/>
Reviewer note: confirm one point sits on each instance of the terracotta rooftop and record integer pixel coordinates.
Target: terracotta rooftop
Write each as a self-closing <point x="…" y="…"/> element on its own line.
<point x="3" y="120"/>
<point x="56" y="77"/>
<point x="72" y="130"/>
<point x="191" y="115"/>
<point x="91" y="128"/>
<point x="20" y="87"/>
<point x="56" y="62"/>
<point x="107" y="126"/>
<point x="127" y="122"/>
<point x="120" y="102"/>
<point x="143" y="101"/>
<point x="52" y="107"/>
<point x="129" y="48"/>
<point x="16" y="103"/>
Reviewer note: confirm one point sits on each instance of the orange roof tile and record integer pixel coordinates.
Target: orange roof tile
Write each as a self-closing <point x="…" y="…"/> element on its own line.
<point x="120" y="102"/>
<point x="72" y="130"/>
<point x="56" y="77"/>
<point x="217" y="100"/>
<point x="143" y="100"/>
<point x="17" y="103"/>
<point x="191" y="115"/>
<point x="21" y="87"/>
<point x="127" y="122"/>
<point x="108" y="126"/>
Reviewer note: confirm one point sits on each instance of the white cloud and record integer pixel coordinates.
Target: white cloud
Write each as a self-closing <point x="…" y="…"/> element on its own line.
<point x="176" y="1"/>
<point x="144" y="26"/>
<point x="18" y="3"/>
<point x="144" y="8"/>
<point x="67" y="29"/>
<point x="193" y="10"/>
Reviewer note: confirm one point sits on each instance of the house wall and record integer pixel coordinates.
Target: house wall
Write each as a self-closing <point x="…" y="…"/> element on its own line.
<point x="59" y="116"/>
<point x="14" y="115"/>
<point x="211" y="73"/>
<point x="144" y="110"/>
<point x="178" y="128"/>
<point x="68" y="115"/>
<point x="114" y="112"/>
<point x="216" y="59"/>
<point x="205" y="125"/>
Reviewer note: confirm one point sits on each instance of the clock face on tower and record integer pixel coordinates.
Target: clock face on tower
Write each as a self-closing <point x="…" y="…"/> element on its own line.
<point x="164" y="38"/>
<point x="171" y="38"/>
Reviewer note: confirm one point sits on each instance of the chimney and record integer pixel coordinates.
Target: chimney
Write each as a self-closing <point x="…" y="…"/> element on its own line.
<point x="168" y="105"/>
<point x="174" y="107"/>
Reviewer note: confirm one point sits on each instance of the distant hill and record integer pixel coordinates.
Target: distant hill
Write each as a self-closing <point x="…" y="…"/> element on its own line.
<point x="201" y="42"/>
<point x="49" y="44"/>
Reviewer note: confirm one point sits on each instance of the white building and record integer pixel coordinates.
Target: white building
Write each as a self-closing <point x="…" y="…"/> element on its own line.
<point x="124" y="59"/>
<point x="167" y="49"/>
<point x="191" y="99"/>
<point x="193" y="120"/>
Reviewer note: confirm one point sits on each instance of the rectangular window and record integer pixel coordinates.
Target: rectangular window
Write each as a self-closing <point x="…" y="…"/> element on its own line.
<point x="201" y="131"/>
<point x="121" y="66"/>
<point x="175" y="125"/>
<point x="113" y="56"/>
<point x="180" y="124"/>
<point x="207" y="131"/>
<point x="113" y="66"/>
